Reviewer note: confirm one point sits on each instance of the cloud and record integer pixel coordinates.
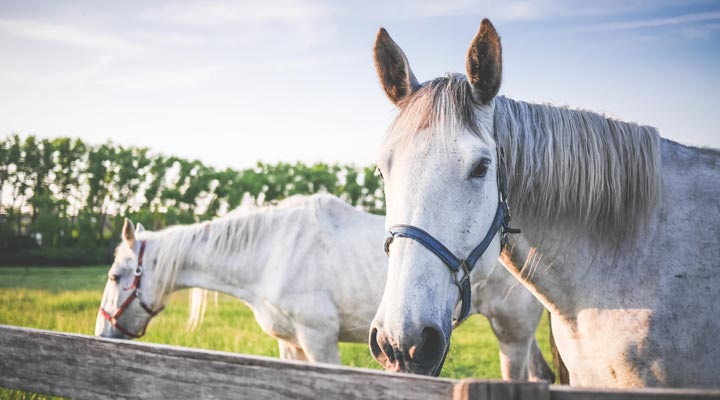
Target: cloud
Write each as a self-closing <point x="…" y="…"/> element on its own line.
<point x="303" y="62"/>
<point x="31" y="29"/>
<point x="55" y="77"/>
<point x="652" y="22"/>
<point x="520" y="10"/>
<point x="189" y="77"/>
<point x="495" y="9"/>
<point x="237" y="11"/>
<point x="501" y="10"/>
<point x="165" y="38"/>
<point x="163" y="79"/>
<point x="251" y="22"/>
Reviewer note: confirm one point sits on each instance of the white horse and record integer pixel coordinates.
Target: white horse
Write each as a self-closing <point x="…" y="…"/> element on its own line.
<point x="311" y="269"/>
<point x="620" y="228"/>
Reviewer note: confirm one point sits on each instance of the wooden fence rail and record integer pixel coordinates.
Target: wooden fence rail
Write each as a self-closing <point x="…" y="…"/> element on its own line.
<point x="84" y="367"/>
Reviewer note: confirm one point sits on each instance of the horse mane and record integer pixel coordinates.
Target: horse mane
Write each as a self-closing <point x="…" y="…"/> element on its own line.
<point x="572" y="166"/>
<point x="578" y="167"/>
<point x="225" y="240"/>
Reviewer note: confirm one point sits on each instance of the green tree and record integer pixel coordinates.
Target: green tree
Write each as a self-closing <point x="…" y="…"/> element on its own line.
<point x="75" y="195"/>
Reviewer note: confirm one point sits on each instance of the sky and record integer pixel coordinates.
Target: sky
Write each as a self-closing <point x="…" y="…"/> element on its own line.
<point x="235" y="82"/>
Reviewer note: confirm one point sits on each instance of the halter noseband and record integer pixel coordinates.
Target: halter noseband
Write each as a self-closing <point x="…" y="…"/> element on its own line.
<point x="113" y="318"/>
<point x="501" y="224"/>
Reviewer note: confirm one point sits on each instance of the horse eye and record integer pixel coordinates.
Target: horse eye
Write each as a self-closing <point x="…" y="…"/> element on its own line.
<point x="481" y="169"/>
<point x="114" y="278"/>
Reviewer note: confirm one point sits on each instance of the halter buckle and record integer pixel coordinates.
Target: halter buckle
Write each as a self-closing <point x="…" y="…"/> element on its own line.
<point x="138" y="270"/>
<point x="466" y="274"/>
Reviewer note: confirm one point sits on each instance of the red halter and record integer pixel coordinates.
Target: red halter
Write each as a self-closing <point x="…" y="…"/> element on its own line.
<point x="113" y="318"/>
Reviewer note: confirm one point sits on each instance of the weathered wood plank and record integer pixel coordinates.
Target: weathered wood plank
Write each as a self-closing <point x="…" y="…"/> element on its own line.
<point x="84" y="367"/>
<point x="79" y="366"/>
<point x="470" y="389"/>
<point x="561" y="392"/>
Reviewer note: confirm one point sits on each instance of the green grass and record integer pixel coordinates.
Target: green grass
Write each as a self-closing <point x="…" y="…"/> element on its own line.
<point x="66" y="299"/>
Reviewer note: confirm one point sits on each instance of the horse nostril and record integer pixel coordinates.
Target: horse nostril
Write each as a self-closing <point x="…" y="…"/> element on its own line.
<point x="430" y="349"/>
<point x="374" y="347"/>
<point x="381" y="348"/>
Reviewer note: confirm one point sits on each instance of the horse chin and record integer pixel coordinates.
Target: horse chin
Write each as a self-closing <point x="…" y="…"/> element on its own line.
<point x="410" y="367"/>
<point x="113" y="334"/>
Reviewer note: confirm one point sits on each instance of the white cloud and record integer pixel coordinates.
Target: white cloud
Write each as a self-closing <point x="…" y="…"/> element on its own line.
<point x="652" y="22"/>
<point x="499" y="10"/>
<point x="163" y="79"/>
<point x="248" y="23"/>
<point x="165" y="39"/>
<point x="70" y="35"/>
<point x="495" y="9"/>
<point x="699" y="32"/>
<point x="518" y="10"/>
<point x="236" y="11"/>
<point x="54" y="78"/>
<point x="189" y="77"/>
<point x="303" y="62"/>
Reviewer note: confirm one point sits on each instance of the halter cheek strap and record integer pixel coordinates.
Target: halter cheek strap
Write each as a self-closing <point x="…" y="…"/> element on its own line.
<point x="455" y="264"/>
<point x="113" y="318"/>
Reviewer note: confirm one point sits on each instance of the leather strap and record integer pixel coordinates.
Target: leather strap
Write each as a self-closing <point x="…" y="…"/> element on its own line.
<point x="454" y="263"/>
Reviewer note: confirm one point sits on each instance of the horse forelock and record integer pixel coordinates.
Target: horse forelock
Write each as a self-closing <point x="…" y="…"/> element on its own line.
<point x="574" y="166"/>
<point x="437" y="109"/>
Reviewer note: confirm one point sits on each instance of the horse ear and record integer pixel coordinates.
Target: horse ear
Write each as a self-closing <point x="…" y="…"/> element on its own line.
<point x="484" y="63"/>
<point x="139" y="228"/>
<point x="128" y="233"/>
<point x="393" y="68"/>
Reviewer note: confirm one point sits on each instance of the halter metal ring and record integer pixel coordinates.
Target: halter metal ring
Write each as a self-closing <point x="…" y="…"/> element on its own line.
<point x="389" y="236"/>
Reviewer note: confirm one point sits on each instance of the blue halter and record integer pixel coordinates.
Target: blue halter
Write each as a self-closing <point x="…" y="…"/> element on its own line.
<point x="500" y="224"/>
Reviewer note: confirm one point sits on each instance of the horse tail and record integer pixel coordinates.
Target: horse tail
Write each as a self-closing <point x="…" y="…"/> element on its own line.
<point x="561" y="371"/>
<point x="198" y="304"/>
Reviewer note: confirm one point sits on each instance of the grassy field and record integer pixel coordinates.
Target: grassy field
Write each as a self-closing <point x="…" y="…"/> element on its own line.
<point x="66" y="299"/>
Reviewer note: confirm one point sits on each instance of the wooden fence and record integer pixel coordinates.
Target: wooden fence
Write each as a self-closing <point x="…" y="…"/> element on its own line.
<point x="84" y="367"/>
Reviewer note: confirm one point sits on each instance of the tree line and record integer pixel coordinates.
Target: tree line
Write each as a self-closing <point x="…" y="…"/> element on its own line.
<point x="62" y="200"/>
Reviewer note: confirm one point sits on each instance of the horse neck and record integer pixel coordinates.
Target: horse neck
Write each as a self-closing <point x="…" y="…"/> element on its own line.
<point x="571" y="225"/>
<point x="559" y="262"/>
<point x="213" y="264"/>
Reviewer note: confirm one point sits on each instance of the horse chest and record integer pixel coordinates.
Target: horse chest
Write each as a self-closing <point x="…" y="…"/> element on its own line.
<point x="610" y="348"/>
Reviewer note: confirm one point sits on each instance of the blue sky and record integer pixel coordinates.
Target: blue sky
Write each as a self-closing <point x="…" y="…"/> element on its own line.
<point x="233" y="82"/>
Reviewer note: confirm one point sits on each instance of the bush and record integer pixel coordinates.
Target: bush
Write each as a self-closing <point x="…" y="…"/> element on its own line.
<point x="65" y="256"/>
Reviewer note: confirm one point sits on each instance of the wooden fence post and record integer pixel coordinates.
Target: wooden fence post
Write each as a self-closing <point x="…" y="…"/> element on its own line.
<point x="472" y="389"/>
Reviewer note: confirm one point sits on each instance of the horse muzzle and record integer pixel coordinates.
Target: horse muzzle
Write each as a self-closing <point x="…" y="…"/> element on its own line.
<point x="421" y="353"/>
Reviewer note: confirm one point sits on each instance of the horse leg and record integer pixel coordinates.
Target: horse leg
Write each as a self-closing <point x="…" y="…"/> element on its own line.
<point x="538" y="368"/>
<point x="319" y="346"/>
<point x="520" y="355"/>
<point x="290" y="351"/>
<point x="514" y="348"/>
<point x="514" y="360"/>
